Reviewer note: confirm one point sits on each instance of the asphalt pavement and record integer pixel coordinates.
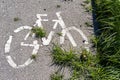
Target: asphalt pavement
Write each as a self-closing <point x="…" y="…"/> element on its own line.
<point x="17" y="13"/>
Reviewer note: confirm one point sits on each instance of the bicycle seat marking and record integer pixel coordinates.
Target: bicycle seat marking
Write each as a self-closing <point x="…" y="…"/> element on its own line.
<point x="45" y="41"/>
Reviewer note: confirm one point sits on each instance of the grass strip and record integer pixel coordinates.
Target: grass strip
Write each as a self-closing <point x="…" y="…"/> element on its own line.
<point x="108" y="41"/>
<point x="83" y="65"/>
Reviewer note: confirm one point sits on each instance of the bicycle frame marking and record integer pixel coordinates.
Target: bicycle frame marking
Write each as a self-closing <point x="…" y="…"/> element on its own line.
<point x="65" y="30"/>
<point x="45" y="41"/>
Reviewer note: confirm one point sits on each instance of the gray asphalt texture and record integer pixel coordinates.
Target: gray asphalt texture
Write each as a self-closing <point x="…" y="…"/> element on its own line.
<point x="73" y="15"/>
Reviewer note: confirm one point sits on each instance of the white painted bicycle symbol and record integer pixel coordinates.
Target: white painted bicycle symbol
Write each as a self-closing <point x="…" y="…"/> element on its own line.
<point x="45" y="41"/>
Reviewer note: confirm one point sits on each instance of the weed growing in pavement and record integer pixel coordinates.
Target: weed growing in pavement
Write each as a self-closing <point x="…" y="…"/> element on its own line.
<point x="87" y="5"/>
<point x="44" y="9"/>
<point x="87" y="1"/>
<point x="94" y="41"/>
<point x="82" y="64"/>
<point x="59" y="34"/>
<point x="56" y="76"/>
<point x="33" y="56"/>
<point x="88" y="8"/>
<point x="68" y="0"/>
<point x="16" y="19"/>
<point x="58" y="6"/>
<point x="61" y="56"/>
<point x="88" y="24"/>
<point x="39" y="32"/>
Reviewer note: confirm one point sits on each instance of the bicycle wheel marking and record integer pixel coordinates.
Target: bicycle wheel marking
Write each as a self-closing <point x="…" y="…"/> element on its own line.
<point x="45" y="41"/>
<point x="7" y="45"/>
<point x="11" y="62"/>
<point x="35" y="45"/>
<point x="22" y="28"/>
<point x="65" y="32"/>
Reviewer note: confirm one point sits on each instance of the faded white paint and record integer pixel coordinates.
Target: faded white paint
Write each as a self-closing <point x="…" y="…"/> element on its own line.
<point x="63" y="26"/>
<point x="22" y="28"/>
<point x="7" y="45"/>
<point x="39" y="21"/>
<point x="11" y="62"/>
<point x="27" y="35"/>
<point x="65" y="31"/>
<point x="35" y="46"/>
<point x="46" y="41"/>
